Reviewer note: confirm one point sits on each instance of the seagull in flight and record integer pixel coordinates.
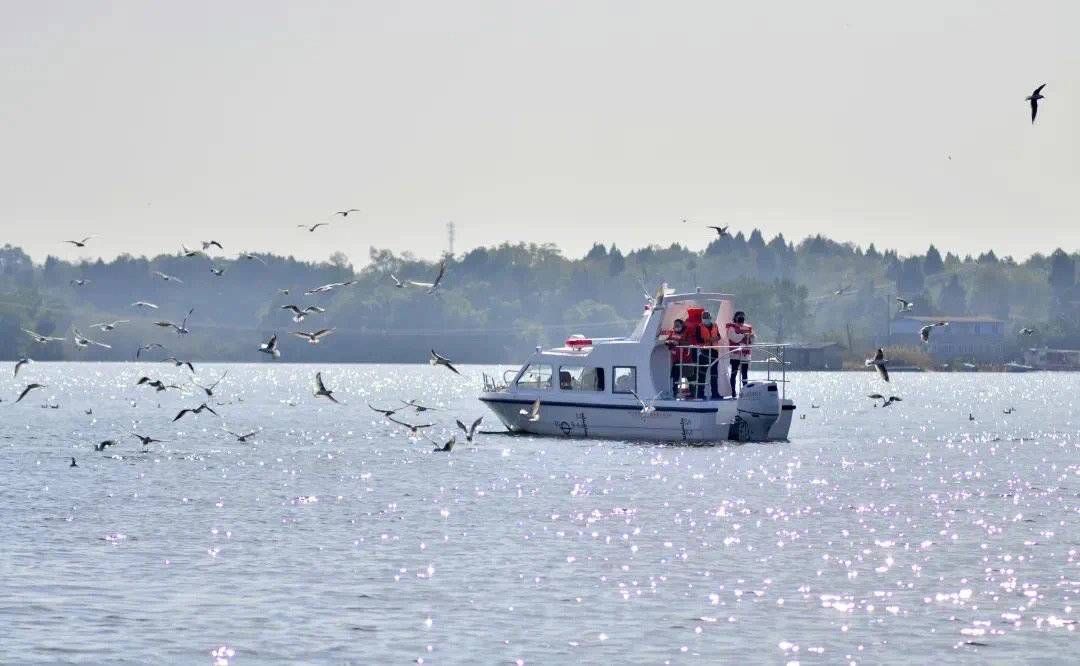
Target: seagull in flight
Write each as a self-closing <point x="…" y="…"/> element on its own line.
<point x="314" y="226"/>
<point x="146" y="439"/>
<point x="178" y="363"/>
<point x="81" y="282"/>
<point x="1027" y="331"/>
<point x="322" y="391"/>
<point x="414" y="428"/>
<point x="533" y="413"/>
<point x="198" y="410"/>
<point x="109" y="326"/>
<point x="298" y="314"/>
<point x="217" y="271"/>
<point x="470" y="432"/>
<point x="397" y="283"/>
<point x="241" y="437"/>
<point x="438" y="359"/>
<point x="19" y="364"/>
<point x="419" y="408"/>
<point x="329" y="287"/>
<point x="168" y="278"/>
<point x="843" y="289"/>
<point x="316" y="337"/>
<point x="345" y="213"/>
<point x="42" y="339"/>
<point x="891" y="400"/>
<point x="904" y="305"/>
<point x="105" y="444"/>
<point x="84" y="342"/>
<point x="879" y="361"/>
<point x="448" y="447"/>
<point x="82" y="243"/>
<point x="720" y="231"/>
<point x="647" y="407"/>
<point x="924" y="332"/>
<point x="144" y="304"/>
<point x="270" y="347"/>
<point x="29" y="387"/>
<point x="188" y="252"/>
<point x="1034" y="98"/>
<point x="209" y="390"/>
<point x="181" y="328"/>
<point x="252" y="257"/>
<point x="206" y="245"/>
<point x="155" y="383"/>
<point x="384" y="412"/>
<point x="431" y="286"/>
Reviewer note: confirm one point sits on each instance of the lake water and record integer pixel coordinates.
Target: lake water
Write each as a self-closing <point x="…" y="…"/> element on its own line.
<point x="875" y="535"/>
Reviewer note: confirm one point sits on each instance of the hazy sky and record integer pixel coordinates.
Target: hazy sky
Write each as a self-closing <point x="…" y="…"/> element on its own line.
<point x="153" y="124"/>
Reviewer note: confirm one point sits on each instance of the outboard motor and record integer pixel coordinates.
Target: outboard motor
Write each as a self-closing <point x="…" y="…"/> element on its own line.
<point x="758" y="408"/>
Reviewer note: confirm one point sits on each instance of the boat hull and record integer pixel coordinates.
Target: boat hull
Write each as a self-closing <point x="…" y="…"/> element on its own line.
<point x="689" y="421"/>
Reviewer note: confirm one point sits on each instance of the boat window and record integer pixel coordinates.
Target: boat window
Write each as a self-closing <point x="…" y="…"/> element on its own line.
<point x="578" y="378"/>
<point x="535" y="375"/>
<point x="624" y="379"/>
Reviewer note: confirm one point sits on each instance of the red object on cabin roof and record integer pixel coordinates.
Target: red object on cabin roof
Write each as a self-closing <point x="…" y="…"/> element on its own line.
<point x="578" y="342"/>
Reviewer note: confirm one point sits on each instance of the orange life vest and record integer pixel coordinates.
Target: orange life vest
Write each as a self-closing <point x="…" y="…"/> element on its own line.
<point x="681" y="339"/>
<point x="709" y="334"/>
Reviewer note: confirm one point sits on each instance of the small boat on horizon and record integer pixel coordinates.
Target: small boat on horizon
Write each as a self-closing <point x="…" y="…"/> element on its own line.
<point x="623" y="387"/>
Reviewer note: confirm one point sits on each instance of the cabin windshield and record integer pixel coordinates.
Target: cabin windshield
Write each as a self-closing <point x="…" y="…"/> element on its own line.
<point x="535" y="376"/>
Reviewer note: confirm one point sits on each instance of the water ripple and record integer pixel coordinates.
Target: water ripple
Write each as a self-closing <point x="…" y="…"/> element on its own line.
<point x="333" y="536"/>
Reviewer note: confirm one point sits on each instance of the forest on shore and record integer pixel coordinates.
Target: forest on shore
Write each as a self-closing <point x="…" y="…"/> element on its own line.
<point x="496" y="303"/>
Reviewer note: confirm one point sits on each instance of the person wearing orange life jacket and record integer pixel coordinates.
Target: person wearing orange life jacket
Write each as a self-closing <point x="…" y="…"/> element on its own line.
<point x="679" y="336"/>
<point x="708" y="336"/>
<point x="740" y="336"/>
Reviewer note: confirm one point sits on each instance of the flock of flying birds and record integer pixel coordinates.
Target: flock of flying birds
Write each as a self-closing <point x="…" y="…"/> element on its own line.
<point x="880" y="363"/>
<point x="270" y="347"/>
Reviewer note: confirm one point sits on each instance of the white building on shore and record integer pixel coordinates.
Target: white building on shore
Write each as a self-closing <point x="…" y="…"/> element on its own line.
<point x="977" y="339"/>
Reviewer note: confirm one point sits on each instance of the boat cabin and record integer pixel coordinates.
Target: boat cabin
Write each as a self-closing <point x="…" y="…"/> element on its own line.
<point x="640" y="363"/>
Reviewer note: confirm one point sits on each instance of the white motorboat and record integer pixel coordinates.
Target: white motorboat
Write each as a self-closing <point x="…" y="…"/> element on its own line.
<point x="631" y="388"/>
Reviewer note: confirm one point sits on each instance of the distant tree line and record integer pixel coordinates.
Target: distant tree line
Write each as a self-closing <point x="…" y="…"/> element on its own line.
<point x="496" y="303"/>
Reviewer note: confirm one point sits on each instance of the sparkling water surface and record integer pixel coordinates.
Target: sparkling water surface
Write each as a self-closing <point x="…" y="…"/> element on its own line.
<point x="909" y="533"/>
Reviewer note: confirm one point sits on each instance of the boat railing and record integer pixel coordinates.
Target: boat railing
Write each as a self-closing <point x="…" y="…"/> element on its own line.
<point x="493" y="384"/>
<point x="697" y="364"/>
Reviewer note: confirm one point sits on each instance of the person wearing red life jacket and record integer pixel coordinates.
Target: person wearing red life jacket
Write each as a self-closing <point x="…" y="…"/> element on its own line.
<point x="708" y="336"/>
<point x="680" y="335"/>
<point x="740" y="336"/>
